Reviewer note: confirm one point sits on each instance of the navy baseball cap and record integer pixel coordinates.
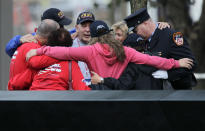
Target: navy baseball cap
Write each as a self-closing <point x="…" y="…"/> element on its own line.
<point x="56" y="15"/>
<point x="137" y="18"/>
<point x="99" y="28"/>
<point x="84" y="17"/>
<point x="132" y="40"/>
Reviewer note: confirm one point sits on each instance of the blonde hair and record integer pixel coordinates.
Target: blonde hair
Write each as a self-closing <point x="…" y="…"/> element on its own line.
<point x="114" y="44"/>
<point x="120" y="25"/>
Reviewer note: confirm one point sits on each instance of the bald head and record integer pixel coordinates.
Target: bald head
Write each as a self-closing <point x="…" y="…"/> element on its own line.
<point x="46" y="27"/>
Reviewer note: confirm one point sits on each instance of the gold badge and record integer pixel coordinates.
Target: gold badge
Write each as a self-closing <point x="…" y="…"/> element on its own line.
<point x="60" y="14"/>
<point x="85" y="15"/>
<point x="178" y="38"/>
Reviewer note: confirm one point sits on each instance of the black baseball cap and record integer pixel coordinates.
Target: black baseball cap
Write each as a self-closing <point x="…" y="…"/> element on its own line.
<point x="132" y="40"/>
<point x="56" y="15"/>
<point x="99" y="28"/>
<point x="84" y="17"/>
<point x="137" y="18"/>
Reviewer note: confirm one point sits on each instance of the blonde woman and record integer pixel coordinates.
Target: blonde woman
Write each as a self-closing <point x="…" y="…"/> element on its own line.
<point x="120" y="31"/>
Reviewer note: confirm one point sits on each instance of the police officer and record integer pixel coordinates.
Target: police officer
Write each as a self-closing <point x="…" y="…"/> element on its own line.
<point x="169" y="43"/>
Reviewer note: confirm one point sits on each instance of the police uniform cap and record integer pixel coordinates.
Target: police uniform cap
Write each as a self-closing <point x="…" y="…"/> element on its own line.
<point x="137" y="18"/>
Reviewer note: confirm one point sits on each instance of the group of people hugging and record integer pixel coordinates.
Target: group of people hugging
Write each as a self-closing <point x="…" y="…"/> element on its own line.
<point x="134" y="54"/>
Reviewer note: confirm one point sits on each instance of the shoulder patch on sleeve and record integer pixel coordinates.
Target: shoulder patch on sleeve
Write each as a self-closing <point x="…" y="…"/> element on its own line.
<point x="178" y="38"/>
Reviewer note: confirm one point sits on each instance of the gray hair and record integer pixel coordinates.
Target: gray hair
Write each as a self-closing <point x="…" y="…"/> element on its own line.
<point x="46" y="27"/>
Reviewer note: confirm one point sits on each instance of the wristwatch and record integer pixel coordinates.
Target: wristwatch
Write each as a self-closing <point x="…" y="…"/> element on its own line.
<point x="101" y="80"/>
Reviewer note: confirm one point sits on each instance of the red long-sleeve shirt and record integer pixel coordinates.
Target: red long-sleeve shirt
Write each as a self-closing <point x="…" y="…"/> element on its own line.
<point x="21" y="71"/>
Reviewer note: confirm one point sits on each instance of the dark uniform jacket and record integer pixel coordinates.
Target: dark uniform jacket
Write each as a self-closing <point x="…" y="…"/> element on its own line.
<point x="134" y="77"/>
<point x="163" y="41"/>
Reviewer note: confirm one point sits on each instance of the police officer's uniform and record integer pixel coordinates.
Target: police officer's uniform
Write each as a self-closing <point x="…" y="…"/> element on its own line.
<point x="170" y="44"/>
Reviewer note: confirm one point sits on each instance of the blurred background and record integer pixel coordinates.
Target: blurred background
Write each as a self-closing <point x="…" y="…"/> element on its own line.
<point x="19" y="17"/>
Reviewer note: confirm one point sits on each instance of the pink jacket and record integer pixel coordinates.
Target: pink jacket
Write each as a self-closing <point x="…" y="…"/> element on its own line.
<point x="100" y="59"/>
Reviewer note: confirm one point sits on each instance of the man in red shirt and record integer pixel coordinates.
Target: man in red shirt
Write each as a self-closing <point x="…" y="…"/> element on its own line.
<point x="18" y="65"/>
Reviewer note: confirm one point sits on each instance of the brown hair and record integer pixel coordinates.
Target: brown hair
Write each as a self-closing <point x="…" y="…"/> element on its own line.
<point x="109" y="39"/>
<point x="60" y="37"/>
